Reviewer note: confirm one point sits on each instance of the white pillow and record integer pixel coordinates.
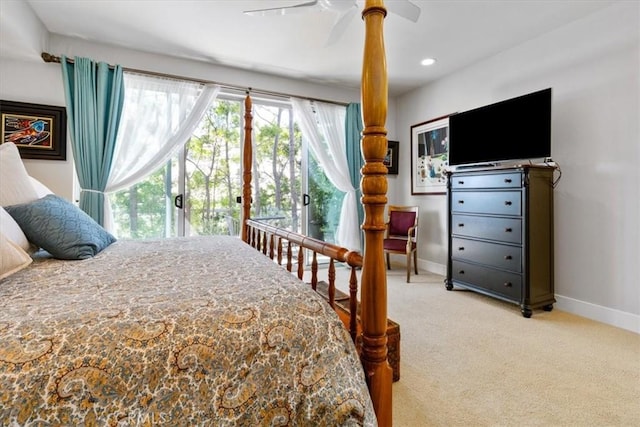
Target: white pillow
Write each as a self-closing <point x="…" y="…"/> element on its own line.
<point x="11" y="230"/>
<point x="41" y="189"/>
<point x="15" y="184"/>
<point x="12" y="257"/>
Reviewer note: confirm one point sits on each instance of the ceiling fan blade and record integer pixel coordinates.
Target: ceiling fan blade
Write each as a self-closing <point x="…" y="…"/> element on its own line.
<point x="404" y="8"/>
<point x="341" y="25"/>
<point x="281" y="10"/>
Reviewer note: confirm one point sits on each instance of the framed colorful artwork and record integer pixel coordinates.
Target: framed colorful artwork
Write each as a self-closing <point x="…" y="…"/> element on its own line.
<point x="429" y="156"/>
<point x="39" y="131"/>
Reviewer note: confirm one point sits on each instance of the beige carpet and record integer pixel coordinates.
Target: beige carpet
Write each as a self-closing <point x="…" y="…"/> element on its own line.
<point x="470" y="360"/>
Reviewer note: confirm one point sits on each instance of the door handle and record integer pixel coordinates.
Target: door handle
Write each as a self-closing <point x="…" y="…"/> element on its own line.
<point x="306" y="200"/>
<point x="178" y="201"/>
<point x="239" y="199"/>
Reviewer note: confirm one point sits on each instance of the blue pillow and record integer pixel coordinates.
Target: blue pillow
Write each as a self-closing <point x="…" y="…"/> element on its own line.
<point x="60" y="228"/>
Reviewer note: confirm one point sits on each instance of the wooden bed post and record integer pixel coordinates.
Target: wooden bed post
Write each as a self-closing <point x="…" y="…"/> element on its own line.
<point x="374" y="198"/>
<point x="247" y="155"/>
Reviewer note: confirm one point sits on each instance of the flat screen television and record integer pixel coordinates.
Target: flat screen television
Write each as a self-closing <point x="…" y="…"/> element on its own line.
<point x="515" y="129"/>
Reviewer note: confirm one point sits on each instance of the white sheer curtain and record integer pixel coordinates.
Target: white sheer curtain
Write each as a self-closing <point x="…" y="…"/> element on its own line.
<point x="159" y="116"/>
<point x="323" y="125"/>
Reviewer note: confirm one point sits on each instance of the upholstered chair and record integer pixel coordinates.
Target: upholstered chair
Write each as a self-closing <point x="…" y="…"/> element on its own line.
<point x="401" y="236"/>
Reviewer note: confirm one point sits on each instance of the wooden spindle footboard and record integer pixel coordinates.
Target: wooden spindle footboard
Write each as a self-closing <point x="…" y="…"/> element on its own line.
<point x="271" y="240"/>
<point x="282" y="245"/>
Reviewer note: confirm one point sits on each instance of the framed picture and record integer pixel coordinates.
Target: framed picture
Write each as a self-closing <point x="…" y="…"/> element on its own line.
<point x="429" y="156"/>
<point x="39" y="131"/>
<point x="392" y="158"/>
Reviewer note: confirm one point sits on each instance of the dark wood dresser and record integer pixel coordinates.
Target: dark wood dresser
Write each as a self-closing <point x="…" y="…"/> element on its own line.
<point x="501" y="234"/>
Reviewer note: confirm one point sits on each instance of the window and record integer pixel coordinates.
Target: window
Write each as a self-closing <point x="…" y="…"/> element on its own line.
<point x="195" y="193"/>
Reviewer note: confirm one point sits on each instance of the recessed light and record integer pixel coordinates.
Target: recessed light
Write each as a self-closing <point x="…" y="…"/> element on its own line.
<point x="428" y="61"/>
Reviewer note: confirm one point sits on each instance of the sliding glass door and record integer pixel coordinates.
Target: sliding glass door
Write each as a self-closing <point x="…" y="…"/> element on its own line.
<point x="196" y="193"/>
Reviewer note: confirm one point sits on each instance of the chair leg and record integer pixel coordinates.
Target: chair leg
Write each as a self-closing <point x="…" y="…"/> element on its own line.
<point x="408" y="266"/>
<point x="415" y="261"/>
<point x="388" y="262"/>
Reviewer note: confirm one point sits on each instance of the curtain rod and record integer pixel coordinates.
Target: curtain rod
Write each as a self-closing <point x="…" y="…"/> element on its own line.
<point x="47" y="57"/>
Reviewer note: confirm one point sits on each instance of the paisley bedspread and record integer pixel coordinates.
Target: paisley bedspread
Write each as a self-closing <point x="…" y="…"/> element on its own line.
<point x="186" y="331"/>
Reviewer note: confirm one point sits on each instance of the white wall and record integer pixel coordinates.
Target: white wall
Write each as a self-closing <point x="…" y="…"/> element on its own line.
<point x="593" y="66"/>
<point x="28" y="79"/>
<point x="39" y="83"/>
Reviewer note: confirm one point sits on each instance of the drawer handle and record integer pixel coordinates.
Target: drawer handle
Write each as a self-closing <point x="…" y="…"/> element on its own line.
<point x="460" y="225"/>
<point x="508" y="230"/>
<point x="508" y="257"/>
<point x="508" y="284"/>
<point x="507" y="180"/>
<point x="461" y="182"/>
<point x="461" y="202"/>
<point x="461" y="248"/>
<point x="461" y="272"/>
<point x="508" y="203"/>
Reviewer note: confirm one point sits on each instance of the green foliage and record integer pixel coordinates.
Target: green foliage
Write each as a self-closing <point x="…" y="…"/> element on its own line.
<point x="273" y="141"/>
<point x="213" y="178"/>
<point x="139" y="211"/>
<point x="325" y="204"/>
<point x="211" y="155"/>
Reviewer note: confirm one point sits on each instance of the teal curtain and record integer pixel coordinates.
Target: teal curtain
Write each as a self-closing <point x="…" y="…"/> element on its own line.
<point x="94" y="95"/>
<point x="353" y="132"/>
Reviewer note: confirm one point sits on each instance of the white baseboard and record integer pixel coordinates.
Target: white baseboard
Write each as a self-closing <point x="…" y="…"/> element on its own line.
<point x="609" y="316"/>
<point x="432" y="267"/>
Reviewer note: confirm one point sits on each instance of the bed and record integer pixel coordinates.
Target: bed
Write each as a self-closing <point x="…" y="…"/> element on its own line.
<point x="193" y="329"/>
<point x="157" y="332"/>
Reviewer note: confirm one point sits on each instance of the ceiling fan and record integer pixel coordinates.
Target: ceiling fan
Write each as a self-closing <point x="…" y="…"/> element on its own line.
<point x="344" y="9"/>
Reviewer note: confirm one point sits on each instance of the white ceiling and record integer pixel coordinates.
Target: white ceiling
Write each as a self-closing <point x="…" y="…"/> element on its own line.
<point x="456" y="33"/>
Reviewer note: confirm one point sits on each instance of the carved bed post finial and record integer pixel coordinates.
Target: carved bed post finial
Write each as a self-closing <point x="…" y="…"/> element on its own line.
<point x="247" y="153"/>
<point x="374" y="198"/>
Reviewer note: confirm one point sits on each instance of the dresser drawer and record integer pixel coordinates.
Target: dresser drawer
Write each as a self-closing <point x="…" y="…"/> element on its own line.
<point x="501" y="180"/>
<point x="491" y="228"/>
<point x="488" y="202"/>
<point x="508" y="285"/>
<point x="496" y="255"/>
